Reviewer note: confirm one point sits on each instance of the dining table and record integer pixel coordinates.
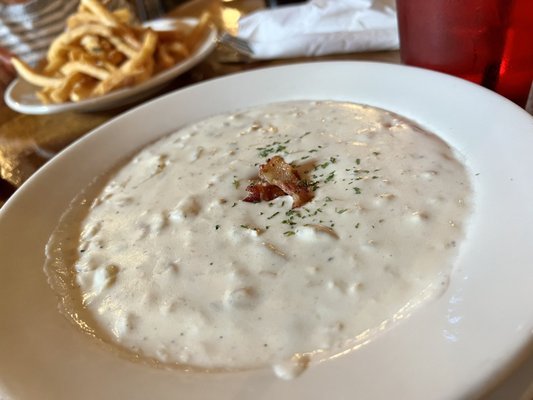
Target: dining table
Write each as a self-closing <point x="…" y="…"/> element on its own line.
<point x="27" y="142"/>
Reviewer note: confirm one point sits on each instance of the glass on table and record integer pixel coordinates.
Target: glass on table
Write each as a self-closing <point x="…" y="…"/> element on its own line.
<point x="489" y="42"/>
<point x="516" y="68"/>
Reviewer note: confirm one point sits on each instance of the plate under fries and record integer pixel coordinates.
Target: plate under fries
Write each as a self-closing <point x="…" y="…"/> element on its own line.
<point x="21" y="95"/>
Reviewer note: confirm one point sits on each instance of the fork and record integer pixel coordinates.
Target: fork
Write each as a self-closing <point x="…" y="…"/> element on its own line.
<point x="236" y="43"/>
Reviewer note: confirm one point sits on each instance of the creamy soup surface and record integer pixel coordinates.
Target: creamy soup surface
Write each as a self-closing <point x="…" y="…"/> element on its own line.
<point x="168" y="263"/>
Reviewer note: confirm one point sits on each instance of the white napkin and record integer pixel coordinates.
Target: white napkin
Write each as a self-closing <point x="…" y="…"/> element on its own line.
<point x="321" y="27"/>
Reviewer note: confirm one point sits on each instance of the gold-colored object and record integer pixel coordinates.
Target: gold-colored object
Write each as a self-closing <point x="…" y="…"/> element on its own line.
<point x="101" y="51"/>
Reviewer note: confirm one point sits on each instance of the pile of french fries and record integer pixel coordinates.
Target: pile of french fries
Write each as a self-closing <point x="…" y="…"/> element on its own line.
<point x="101" y="51"/>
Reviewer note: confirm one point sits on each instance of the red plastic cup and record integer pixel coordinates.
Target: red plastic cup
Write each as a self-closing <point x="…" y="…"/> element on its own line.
<point x="516" y="67"/>
<point x="489" y="42"/>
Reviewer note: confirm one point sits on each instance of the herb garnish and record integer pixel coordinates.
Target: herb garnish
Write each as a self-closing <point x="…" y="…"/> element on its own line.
<point x="273" y="215"/>
<point x="330" y="177"/>
<point x="276" y="147"/>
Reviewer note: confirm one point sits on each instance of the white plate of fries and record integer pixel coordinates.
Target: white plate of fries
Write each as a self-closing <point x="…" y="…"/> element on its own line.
<point x="104" y="60"/>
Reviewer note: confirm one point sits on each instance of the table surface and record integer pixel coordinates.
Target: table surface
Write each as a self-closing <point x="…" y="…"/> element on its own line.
<point x="28" y="141"/>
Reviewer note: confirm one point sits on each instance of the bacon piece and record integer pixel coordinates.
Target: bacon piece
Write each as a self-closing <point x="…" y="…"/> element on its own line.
<point x="262" y="191"/>
<point x="278" y="173"/>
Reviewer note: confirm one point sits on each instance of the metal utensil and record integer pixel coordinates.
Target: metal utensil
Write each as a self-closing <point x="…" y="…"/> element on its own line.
<point x="238" y="44"/>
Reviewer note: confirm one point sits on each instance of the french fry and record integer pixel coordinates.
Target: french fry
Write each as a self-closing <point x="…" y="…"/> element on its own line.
<point x="123" y="15"/>
<point x="83" y="89"/>
<point x="108" y="66"/>
<point x="81" y="18"/>
<point x="85" y="68"/>
<point x="178" y="34"/>
<point x="101" y="12"/>
<point x="92" y="45"/>
<point x="147" y="50"/>
<point x="121" y="46"/>
<point x="52" y="67"/>
<point x="197" y="32"/>
<point x="62" y="93"/>
<point x="145" y="72"/>
<point x="33" y="77"/>
<point x="109" y="19"/>
<point x="163" y="58"/>
<point x="178" y="49"/>
<point x="74" y="54"/>
<point x="115" y="57"/>
<point x="44" y="95"/>
<point x="60" y="44"/>
<point x="132" y="68"/>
